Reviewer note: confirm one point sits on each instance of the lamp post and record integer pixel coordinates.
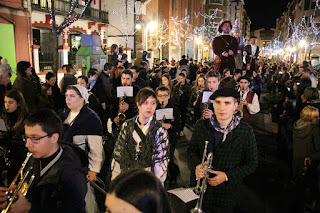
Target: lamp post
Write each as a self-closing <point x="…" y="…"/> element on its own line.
<point x="303" y="43"/>
<point x="198" y="42"/>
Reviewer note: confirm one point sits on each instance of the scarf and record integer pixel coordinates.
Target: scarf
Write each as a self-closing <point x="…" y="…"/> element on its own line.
<point x="225" y="131"/>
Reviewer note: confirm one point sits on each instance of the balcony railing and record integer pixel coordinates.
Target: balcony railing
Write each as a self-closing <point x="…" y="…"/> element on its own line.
<point x="62" y="7"/>
<point x="215" y="2"/>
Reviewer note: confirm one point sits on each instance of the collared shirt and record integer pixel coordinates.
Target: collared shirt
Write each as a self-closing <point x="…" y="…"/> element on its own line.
<point x="254" y="107"/>
<point x="253" y="49"/>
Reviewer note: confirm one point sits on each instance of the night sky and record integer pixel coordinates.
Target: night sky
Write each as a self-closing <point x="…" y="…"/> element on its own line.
<point x="263" y="13"/>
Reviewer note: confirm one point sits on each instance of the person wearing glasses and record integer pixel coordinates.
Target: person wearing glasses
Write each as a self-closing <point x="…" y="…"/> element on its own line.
<point x="173" y="128"/>
<point x="60" y="170"/>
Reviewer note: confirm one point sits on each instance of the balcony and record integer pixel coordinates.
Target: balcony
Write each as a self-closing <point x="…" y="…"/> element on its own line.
<point x="215" y="2"/>
<point x="62" y="8"/>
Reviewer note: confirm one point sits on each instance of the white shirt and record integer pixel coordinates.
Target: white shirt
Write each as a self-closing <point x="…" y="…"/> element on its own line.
<point x="253" y="49"/>
<point x="160" y="168"/>
<point x="254" y="107"/>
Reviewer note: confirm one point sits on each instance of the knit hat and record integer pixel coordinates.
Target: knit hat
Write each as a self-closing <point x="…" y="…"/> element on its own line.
<point x="236" y="28"/>
<point x="84" y="92"/>
<point x="222" y="23"/>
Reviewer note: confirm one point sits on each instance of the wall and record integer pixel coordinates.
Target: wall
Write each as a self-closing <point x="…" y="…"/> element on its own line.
<point x="20" y="21"/>
<point x="7" y="44"/>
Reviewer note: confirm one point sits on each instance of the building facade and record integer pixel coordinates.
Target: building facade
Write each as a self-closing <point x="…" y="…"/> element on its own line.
<point x="93" y="21"/>
<point x="15" y="31"/>
<point x="297" y="12"/>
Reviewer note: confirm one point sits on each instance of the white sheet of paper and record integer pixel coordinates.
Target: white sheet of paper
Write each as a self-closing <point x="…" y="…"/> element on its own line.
<point x="2" y="125"/>
<point x="206" y="96"/>
<point x="185" y="194"/>
<point x="167" y="112"/>
<point x="128" y="90"/>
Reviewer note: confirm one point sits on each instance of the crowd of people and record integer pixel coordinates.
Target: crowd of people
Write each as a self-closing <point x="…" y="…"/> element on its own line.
<point x="109" y="124"/>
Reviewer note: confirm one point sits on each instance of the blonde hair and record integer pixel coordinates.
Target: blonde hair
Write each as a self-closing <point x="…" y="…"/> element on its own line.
<point x="308" y="113"/>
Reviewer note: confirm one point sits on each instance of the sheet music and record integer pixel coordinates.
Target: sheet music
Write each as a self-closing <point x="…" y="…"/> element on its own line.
<point x="2" y="125"/>
<point x="206" y="96"/>
<point x="125" y="91"/>
<point x="167" y="112"/>
<point x="185" y="194"/>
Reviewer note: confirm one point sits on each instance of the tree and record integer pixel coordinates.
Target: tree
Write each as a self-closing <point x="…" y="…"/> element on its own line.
<point x="70" y="18"/>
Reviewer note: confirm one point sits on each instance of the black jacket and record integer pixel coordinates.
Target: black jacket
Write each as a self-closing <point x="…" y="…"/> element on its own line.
<point x="103" y="88"/>
<point x="66" y="81"/>
<point x="86" y="123"/>
<point x="63" y="187"/>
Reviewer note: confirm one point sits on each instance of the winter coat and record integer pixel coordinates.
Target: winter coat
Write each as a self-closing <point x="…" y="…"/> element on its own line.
<point x="28" y="87"/>
<point x="63" y="187"/>
<point x="306" y="143"/>
<point x="86" y="133"/>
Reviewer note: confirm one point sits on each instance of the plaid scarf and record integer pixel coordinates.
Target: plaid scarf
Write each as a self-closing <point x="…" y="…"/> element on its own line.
<point x="225" y="131"/>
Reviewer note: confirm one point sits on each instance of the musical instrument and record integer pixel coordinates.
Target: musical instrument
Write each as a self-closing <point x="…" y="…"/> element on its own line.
<point x="5" y="160"/>
<point x="200" y="190"/>
<point x="241" y="108"/>
<point x="121" y="116"/>
<point x="205" y="107"/>
<point x="23" y="184"/>
<point x="96" y="186"/>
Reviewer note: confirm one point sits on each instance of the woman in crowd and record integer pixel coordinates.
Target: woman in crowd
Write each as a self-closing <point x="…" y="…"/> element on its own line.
<point x="137" y="191"/>
<point x="57" y="97"/>
<point x="167" y="82"/>
<point x="113" y="56"/>
<point x="306" y="139"/>
<point x="45" y="99"/>
<point x="82" y="127"/>
<point x="26" y="83"/>
<point x="306" y="148"/>
<point x="197" y="88"/>
<point x="14" y="115"/>
<point x="143" y="141"/>
<point x="94" y="102"/>
<point x="226" y="76"/>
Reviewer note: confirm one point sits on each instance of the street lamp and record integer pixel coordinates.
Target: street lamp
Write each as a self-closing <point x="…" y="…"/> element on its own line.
<point x="303" y="43"/>
<point x="152" y="26"/>
<point x="138" y="26"/>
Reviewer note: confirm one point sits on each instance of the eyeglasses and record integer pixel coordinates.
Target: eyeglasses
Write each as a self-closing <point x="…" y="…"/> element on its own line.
<point x="160" y="96"/>
<point x="34" y="140"/>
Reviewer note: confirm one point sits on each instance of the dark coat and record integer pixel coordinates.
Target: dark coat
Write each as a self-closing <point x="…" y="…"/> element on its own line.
<point x="66" y="81"/>
<point x="63" y="187"/>
<point x="86" y="123"/>
<point x="306" y="143"/>
<point x="250" y="60"/>
<point x="237" y="156"/>
<point x="221" y="44"/>
<point x="28" y="87"/>
<point x="103" y="88"/>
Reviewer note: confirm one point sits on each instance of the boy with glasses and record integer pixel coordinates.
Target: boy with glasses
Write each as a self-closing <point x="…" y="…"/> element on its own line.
<point x="60" y="172"/>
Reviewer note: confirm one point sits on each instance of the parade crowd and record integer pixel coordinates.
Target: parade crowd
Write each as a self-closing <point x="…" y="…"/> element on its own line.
<point x="83" y="129"/>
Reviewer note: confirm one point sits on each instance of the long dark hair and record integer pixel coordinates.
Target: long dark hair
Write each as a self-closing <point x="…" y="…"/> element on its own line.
<point x="141" y="189"/>
<point x="22" y="110"/>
